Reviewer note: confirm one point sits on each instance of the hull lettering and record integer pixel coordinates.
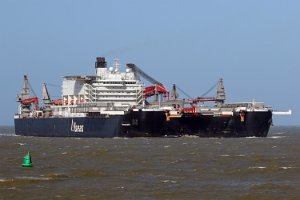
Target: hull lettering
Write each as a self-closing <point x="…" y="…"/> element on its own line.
<point x="76" y="128"/>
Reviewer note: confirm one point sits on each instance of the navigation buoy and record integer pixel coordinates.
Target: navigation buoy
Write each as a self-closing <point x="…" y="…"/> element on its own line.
<point x="27" y="161"/>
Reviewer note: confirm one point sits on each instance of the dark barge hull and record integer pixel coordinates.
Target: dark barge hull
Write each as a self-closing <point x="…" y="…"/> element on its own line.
<point x="147" y="124"/>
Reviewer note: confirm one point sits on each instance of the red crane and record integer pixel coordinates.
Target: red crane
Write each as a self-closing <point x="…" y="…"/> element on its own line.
<point x="25" y="98"/>
<point x="31" y="100"/>
<point x="157" y="88"/>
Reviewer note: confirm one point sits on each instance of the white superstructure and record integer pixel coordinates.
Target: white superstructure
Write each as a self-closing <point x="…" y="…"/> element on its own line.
<point x="110" y="91"/>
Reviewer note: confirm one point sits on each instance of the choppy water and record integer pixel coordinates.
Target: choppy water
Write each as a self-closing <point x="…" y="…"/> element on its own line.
<point x="152" y="168"/>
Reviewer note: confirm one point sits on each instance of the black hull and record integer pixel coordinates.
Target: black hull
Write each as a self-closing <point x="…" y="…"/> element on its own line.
<point x="255" y="124"/>
<point x="147" y="124"/>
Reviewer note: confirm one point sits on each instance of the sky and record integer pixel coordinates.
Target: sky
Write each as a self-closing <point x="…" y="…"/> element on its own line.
<point x="253" y="45"/>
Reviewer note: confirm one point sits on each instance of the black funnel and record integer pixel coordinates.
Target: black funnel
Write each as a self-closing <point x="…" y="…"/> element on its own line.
<point x="100" y="62"/>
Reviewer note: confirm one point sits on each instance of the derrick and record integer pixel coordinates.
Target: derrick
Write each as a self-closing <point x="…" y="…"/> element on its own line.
<point x="25" y="99"/>
<point x="156" y="89"/>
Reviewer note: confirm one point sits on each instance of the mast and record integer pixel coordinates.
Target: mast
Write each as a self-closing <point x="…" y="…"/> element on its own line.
<point x="116" y="64"/>
<point x="220" y="99"/>
<point x="25" y="93"/>
<point x="46" y="100"/>
<point x="45" y="95"/>
<point x="174" y="93"/>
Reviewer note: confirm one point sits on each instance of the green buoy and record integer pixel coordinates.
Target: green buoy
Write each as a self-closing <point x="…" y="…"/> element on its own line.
<point x="27" y="161"/>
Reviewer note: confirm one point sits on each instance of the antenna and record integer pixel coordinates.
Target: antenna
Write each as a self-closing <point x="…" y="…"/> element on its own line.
<point x="116" y="64"/>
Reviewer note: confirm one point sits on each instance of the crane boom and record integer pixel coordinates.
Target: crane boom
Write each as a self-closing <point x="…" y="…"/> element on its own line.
<point x="137" y="71"/>
<point x="25" y="99"/>
<point x="157" y="88"/>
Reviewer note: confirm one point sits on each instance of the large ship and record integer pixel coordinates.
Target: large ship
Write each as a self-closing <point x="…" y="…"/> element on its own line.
<point x="118" y="104"/>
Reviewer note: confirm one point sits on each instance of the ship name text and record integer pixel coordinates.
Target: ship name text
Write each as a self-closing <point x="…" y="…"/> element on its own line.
<point x="76" y="128"/>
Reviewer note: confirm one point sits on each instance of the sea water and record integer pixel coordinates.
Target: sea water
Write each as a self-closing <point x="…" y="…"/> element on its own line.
<point x="186" y="167"/>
